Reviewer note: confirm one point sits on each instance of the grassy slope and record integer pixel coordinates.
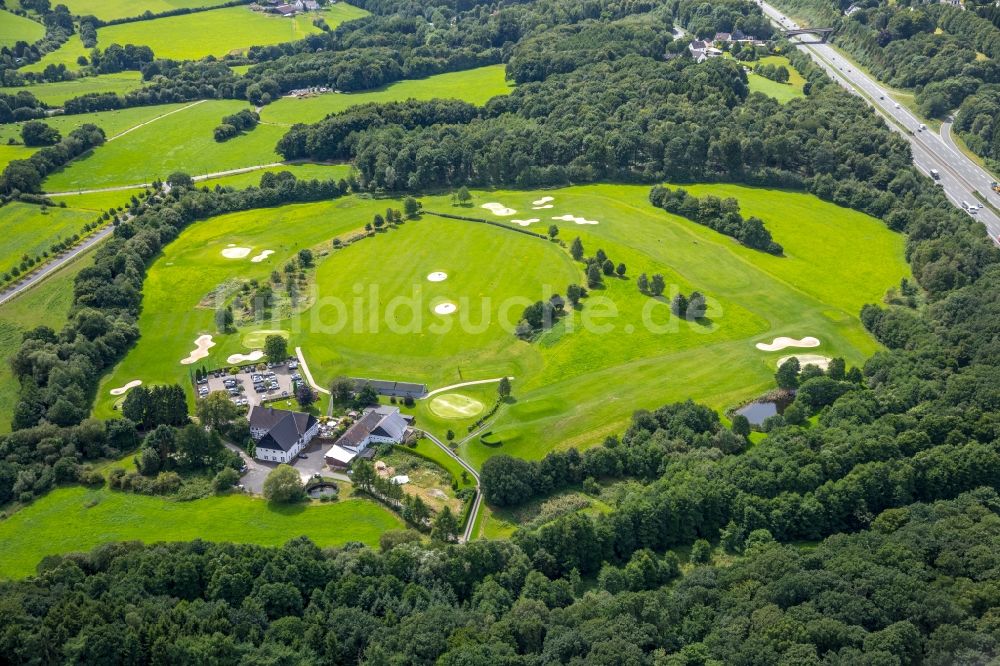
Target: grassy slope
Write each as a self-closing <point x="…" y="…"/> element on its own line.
<point x="44" y="305"/>
<point x="301" y="171"/>
<point x="181" y="141"/>
<point x="783" y="92"/>
<point x="66" y="54"/>
<point x="10" y="153"/>
<point x="101" y="516"/>
<point x="27" y="230"/>
<point x="113" y="9"/>
<point x="112" y="122"/>
<point x="14" y="28"/>
<point x="475" y="86"/>
<point x="56" y="93"/>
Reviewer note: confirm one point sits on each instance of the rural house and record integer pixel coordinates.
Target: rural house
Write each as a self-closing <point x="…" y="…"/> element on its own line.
<point x="382" y="425"/>
<point x="280" y="434"/>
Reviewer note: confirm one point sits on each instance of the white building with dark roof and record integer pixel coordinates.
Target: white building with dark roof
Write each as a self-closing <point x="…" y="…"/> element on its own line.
<point x="280" y="434"/>
<point x="382" y="425"/>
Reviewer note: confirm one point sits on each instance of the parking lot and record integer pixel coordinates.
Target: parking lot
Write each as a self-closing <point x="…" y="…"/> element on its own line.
<point x="254" y="385"/>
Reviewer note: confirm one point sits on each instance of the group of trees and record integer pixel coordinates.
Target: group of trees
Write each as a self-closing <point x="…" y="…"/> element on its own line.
<point x="722" y="215"/>
<point x="156" y="405"/>
<point x="236" y="124"/>
<point x="777" y="73"/>
<point x="27" y="175"/>
<point x="58" y="24"/>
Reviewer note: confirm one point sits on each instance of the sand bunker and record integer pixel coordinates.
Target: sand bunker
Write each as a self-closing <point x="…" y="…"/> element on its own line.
<point x="122" y="390"/>
<point x="498" y="209"/>
<point x="255" y="355"/>
<point x="542" y="201"/>
<point x="821" y="362"/>
<point x="445" y="308"/>
<point x="542" y="207"/>
<point x="780" y="343"/>
<point x="525" y="223"/>
<point x="573" y="218"/>
<point x="437" y="276"/>
<point x="202" y="345"/>
<point x="235" y="252"/>
<point x="262" y="256"/>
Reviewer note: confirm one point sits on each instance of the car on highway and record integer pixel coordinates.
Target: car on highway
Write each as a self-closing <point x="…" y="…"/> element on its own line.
<point x="897" y="105"/>
<point x="922" y="127"/>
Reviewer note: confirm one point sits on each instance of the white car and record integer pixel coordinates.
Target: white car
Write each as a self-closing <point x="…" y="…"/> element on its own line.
<point x="897" y="105"/>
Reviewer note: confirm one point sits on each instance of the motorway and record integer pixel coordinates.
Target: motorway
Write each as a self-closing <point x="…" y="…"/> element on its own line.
<point x="960" y="177"/>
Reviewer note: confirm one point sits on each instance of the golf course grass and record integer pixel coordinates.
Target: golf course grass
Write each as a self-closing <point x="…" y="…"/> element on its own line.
<point x="455" y="406"/>
<point x="30" y="229"/>
<point x="43" y="305"/>
<point x="58" y="92"/>
<point x="14" y="28"/>
<point x="256" y="339"/>
<point x="180" y="141"/>
<point x="475" y="86"/>
<point x="577" y="382"/>
<point x="77" y="519"/>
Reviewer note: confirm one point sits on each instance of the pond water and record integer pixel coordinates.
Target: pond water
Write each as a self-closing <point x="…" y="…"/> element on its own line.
<point x="757" y="411"/>
<point x="323" y="489"/>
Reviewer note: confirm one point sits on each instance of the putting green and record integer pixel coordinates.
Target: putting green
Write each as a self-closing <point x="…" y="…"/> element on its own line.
<point x="255" y="339"/>
<point x="455" y="406"/>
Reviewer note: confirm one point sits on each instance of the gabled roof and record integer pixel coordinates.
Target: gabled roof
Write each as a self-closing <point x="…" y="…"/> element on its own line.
<point x="283" y="428"/>
<point x="379" y="422"/>
<point x="340" y="454"/>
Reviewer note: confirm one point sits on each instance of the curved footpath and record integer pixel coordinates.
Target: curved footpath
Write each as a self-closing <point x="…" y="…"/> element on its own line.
<point x="478" y="500"/>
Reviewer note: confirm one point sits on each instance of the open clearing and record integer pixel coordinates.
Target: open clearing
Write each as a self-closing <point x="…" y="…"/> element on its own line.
<point x="181" y="141"/>
<point x="58" y="92"/>
<point x="29" y="230"/>
<point x="14" y="28"/>
<point x="475" y="86"/>
<point x="100" y="516"/>
<point x="783" y="92"/>
<point x="112" y="9"/>
<point x="579" y="381"/>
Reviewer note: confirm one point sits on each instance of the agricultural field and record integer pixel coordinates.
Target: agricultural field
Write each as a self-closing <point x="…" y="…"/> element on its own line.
<point x="108" y="10"/>
<point x="577" y="382"/>
<point x="783" y="92"/>
<point x="303" y="171"/>
<point x="9" y="153"/>
<point x="77" y="519"/>
<point x="475" y="86"/>
<point x="54" y="94"/>
<point x="44" y="305"/>
<point x="68" y="54"/>
<point x="14" y="28"/>
<point x="112" y="122"/>
<point x="30" y="229"/>
<point x="180" y="141"/>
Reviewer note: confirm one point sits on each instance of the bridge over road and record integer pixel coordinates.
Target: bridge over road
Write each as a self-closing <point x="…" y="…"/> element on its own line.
<point x="822" y="33"/>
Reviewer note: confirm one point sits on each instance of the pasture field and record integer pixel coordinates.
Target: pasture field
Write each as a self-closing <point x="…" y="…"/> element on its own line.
<point x="181" y="141"/>
<point x="112" y="122"/>
<point x="14" y="28"/>
<point x="27" y="229"/>
<point x="109" y="10"/>
<point x="67" y="54"/>
<point x="10" y="153"/>
<point x="306" y="171"/>
<point x="220" y="31"/>
<point x="475" y="86"/>
<point x="54" y="94"/>
<point x="74" y="518"/>
<point x="783" y="92"/>
<point x="99" y="202"/>
<point x="44" y="305"/>
<point x="575" y="383"/>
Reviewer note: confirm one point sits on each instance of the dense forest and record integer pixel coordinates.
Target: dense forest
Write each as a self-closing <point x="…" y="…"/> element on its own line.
<point x="863" y="527"/>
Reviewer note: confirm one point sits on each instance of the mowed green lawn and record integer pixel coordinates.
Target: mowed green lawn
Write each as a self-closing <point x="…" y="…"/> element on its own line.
<point x="14" y="28"/>
<point x="581" y="380"/>
<point x="46" y="304"/>
<point x="77" y="519"/>
<point x="112" y="9"/>
<point x="112" y="122"/>
<point x="67" y="54"/>
<point x="301" y="171"/>
<point x="27" y="229"/>
<point x="58" y="92"/>
<point x="181" y="141"/>
<point x="475" y="86"/>
<point x="220" y="31"/>
<point x="783" y="92"/>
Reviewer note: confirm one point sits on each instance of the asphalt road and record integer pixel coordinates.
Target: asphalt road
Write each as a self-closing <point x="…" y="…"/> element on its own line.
<point x="960" y="177"/>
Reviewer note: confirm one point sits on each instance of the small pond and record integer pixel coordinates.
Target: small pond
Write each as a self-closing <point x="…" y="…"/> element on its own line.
<point x="323" y="490"/>
<point x="759" y="410"/>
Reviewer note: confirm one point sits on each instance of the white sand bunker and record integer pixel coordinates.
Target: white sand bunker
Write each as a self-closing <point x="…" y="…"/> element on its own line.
<point x="437" y="276"/>
<point x="542" y="201"/>
<point x="780" y="343"/>
<point x="821" y="362"/>
<point x="262" y="256"/>
<point x="573" y="218"/>
<point x="542" y="207"/>
<point x="202" y="345"/>
<point x="122" y="390"/>
<point x="498" y="209"/>
<point x="255" y="355"/>
<point x="235" y="252"/>
<point x="445" y="308"/>
<point x="525" y="223"/>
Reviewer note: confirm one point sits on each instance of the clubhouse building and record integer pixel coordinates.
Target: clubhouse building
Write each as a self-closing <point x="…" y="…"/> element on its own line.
<point x="380" y="425"/>
<point x="280" y="434"/>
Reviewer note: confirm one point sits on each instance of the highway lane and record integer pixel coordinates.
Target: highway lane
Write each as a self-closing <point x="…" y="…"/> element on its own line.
<point x="960" y="177"/>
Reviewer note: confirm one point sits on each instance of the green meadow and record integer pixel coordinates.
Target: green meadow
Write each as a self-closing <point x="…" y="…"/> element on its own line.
<point x="108" y="10"/>
<point x="577" y="382"/>
<point x="783" y="92"/>
<point x="112" y="122"/>
<point x="30" y="229"/>
<point x="180" y="141"/>
<point x="67" y="54"/>
<point x="77" y="519"/>
<point x="475" y="86"/>
<point x="54" y="94"/>
<point x="14" y="28"/>
<point x="43" y="305"/>
<point x="8" y="153"/>
<point x="303" y="171"/>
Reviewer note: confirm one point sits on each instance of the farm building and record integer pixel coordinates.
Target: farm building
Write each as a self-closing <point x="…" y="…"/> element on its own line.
<point x="383" y="425"/>
<point x="280" y="434"/>
<point x="393" y="389"/>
